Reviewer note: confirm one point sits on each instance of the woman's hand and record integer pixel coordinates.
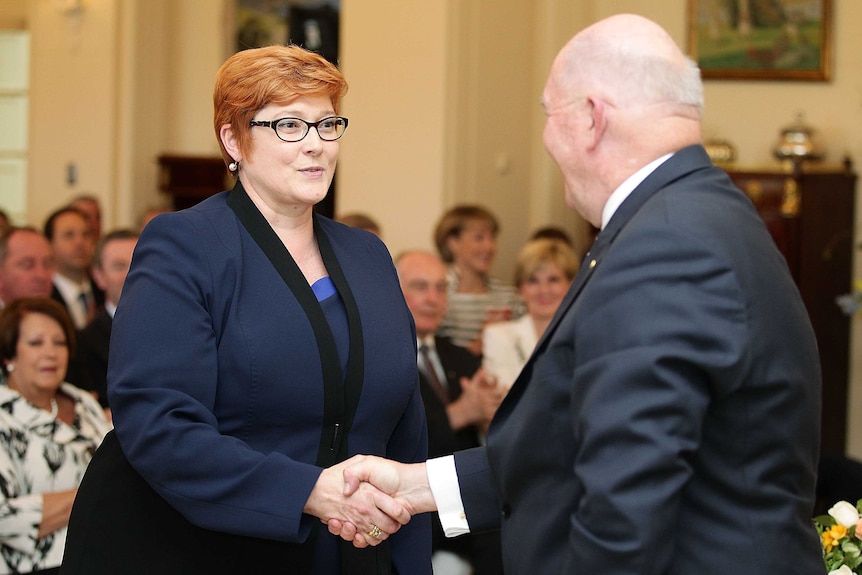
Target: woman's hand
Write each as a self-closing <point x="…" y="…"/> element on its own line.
<point x="56" y="509"/>
<point x="407" y="482"/>
<point x="373" y="513"/>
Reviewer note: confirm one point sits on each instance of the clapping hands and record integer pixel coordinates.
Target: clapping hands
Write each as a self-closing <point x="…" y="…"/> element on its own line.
<point x="480" y="397"/>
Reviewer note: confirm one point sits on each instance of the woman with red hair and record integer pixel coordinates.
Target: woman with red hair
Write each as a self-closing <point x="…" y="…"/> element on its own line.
<point x="257" y="346"/>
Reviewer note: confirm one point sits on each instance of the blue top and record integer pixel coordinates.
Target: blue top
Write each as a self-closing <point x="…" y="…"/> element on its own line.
<point x="323" y="288"/>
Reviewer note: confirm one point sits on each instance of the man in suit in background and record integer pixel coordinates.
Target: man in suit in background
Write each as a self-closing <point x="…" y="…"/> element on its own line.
<point x="459" y="400"/>
<point x="71" y="236"/>
<point x="668" y="421"/>
<point x="26" y="264"/>
<point x="111" y="262"/>
<point x="88" y="204"/>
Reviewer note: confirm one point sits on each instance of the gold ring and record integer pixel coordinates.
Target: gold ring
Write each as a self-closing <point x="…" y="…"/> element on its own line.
<point x="375" y="532"/>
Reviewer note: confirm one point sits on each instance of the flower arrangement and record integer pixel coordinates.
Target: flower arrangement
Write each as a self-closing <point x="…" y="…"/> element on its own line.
<point x="852" y="302"/>
<point x="841" y="538"/>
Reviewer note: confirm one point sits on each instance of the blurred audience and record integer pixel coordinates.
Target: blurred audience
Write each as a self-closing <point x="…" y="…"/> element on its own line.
<point x="544" y="270"/>
<point x="459" y="398"/>
<point x="110" y="266"/>
<point x="361" y="221"/>
<point x="71" y="237"/>
<point x="26" y="264"/>
<point x="466" y="238"/>
<point x="5" y="221"/>
<point x="49" y="431"/>
<point x="149" y="214"/>
<point x="553" y="233"/>
<point x="89" y="206"/>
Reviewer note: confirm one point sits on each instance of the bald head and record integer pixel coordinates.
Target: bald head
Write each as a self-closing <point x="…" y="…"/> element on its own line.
<point x="620" y="94"/>
<point x="423" y="281"/>
<point x="631" y="61"/>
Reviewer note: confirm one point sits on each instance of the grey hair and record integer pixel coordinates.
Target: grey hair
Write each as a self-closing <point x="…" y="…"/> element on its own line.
<point x="627" y="75"/>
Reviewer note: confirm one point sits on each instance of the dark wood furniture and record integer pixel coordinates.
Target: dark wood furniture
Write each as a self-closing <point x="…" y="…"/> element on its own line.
<point x="190" y="179"/>
<point x="810" y="213"/>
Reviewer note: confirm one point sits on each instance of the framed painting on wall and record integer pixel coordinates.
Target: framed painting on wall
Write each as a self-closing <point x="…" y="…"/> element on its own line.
<point x="312" y="24"/>
<point x="761" y="39"/>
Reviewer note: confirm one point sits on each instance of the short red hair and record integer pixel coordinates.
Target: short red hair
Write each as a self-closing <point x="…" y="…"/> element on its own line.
<point x="252" y="79"/>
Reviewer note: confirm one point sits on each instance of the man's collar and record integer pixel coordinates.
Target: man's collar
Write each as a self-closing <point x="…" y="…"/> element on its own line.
<point x="627" y="187"/>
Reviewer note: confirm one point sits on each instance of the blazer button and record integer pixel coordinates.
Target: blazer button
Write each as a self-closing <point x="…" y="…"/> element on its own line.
<point x="506" y="510"/>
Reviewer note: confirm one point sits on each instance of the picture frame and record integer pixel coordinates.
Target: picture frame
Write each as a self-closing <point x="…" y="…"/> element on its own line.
<point x="761" y="39"/>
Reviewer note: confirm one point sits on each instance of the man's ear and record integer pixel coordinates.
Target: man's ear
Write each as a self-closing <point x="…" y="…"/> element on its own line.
<point x="228" y="139"/>
<point x="598" y="110"/>
<point x="98" y="277"/>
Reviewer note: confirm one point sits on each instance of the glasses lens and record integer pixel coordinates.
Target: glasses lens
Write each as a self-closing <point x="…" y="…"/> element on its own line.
<point x="291" y="129"/>
<point x="331" y="128"/>
<point x="294" y="129"/>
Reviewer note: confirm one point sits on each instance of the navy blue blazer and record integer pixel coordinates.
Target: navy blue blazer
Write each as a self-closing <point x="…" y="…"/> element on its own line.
<point x="668" y="421"/>
<point x="215" y="377"/>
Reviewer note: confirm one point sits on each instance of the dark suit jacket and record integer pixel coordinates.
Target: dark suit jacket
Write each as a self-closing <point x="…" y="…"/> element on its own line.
<point x="668" y="421"/>
<point x="98" y="296"/>
<point x="482" y="550"/>
<point x="89" y="368"/>
<point x="457" y="363"/>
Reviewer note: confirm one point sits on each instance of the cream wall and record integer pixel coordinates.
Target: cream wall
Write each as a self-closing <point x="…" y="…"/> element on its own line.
<point x="392" y="157"/>
<point x="73" y="105"/>
<point x="443" y="107"/>
<point x="112" y="89"/>
<point x="441" y="113"/>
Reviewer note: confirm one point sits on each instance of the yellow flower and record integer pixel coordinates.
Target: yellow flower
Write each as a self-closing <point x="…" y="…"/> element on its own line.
<point x="832" y="536"/>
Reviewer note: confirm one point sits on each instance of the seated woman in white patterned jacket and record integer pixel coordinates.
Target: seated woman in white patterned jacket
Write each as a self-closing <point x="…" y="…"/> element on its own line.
<point x="49" y="431"/>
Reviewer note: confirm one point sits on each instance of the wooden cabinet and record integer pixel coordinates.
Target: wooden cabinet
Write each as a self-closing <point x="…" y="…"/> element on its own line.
<point x="810" y="215"/>
<point x="190" y="179"/>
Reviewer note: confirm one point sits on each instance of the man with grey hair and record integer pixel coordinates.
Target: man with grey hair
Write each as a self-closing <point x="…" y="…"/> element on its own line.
<point x="668" y="421"/>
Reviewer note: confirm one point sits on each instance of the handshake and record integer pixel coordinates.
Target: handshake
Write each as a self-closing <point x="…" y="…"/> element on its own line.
<point x="365" y="499"/>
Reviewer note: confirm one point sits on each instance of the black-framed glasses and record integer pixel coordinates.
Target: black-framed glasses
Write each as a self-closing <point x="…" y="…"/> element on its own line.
<point x="295" y="129"/>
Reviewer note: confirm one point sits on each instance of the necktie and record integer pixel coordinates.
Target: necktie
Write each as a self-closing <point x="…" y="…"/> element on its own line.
<point x="431" y="374"/>
<point x="86" y="305"/>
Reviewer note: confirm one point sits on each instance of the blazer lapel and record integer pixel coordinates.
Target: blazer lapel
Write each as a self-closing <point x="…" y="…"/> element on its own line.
<point x="679" y="165"/>
<point x="588" y="266"/>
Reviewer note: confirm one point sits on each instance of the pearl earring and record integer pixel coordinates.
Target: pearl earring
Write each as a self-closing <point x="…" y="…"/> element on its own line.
<point x="233" y="166"/>
<point x="10" y="367"/>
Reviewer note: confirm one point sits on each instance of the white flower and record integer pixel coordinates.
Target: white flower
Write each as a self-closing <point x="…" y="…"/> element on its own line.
<point x="843" y="570"/>
<point x="845" y="514"/>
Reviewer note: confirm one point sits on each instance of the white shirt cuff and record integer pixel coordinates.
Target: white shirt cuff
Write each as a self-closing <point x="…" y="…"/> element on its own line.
<point x="443" y="480"/>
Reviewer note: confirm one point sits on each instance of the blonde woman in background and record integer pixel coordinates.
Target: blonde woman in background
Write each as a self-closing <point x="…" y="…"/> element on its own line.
<point x="543" y="273"/>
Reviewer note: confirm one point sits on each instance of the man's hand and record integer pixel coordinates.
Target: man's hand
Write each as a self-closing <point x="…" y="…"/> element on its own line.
<point x="373" y="513"/>
<point x="406" y="483"/>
